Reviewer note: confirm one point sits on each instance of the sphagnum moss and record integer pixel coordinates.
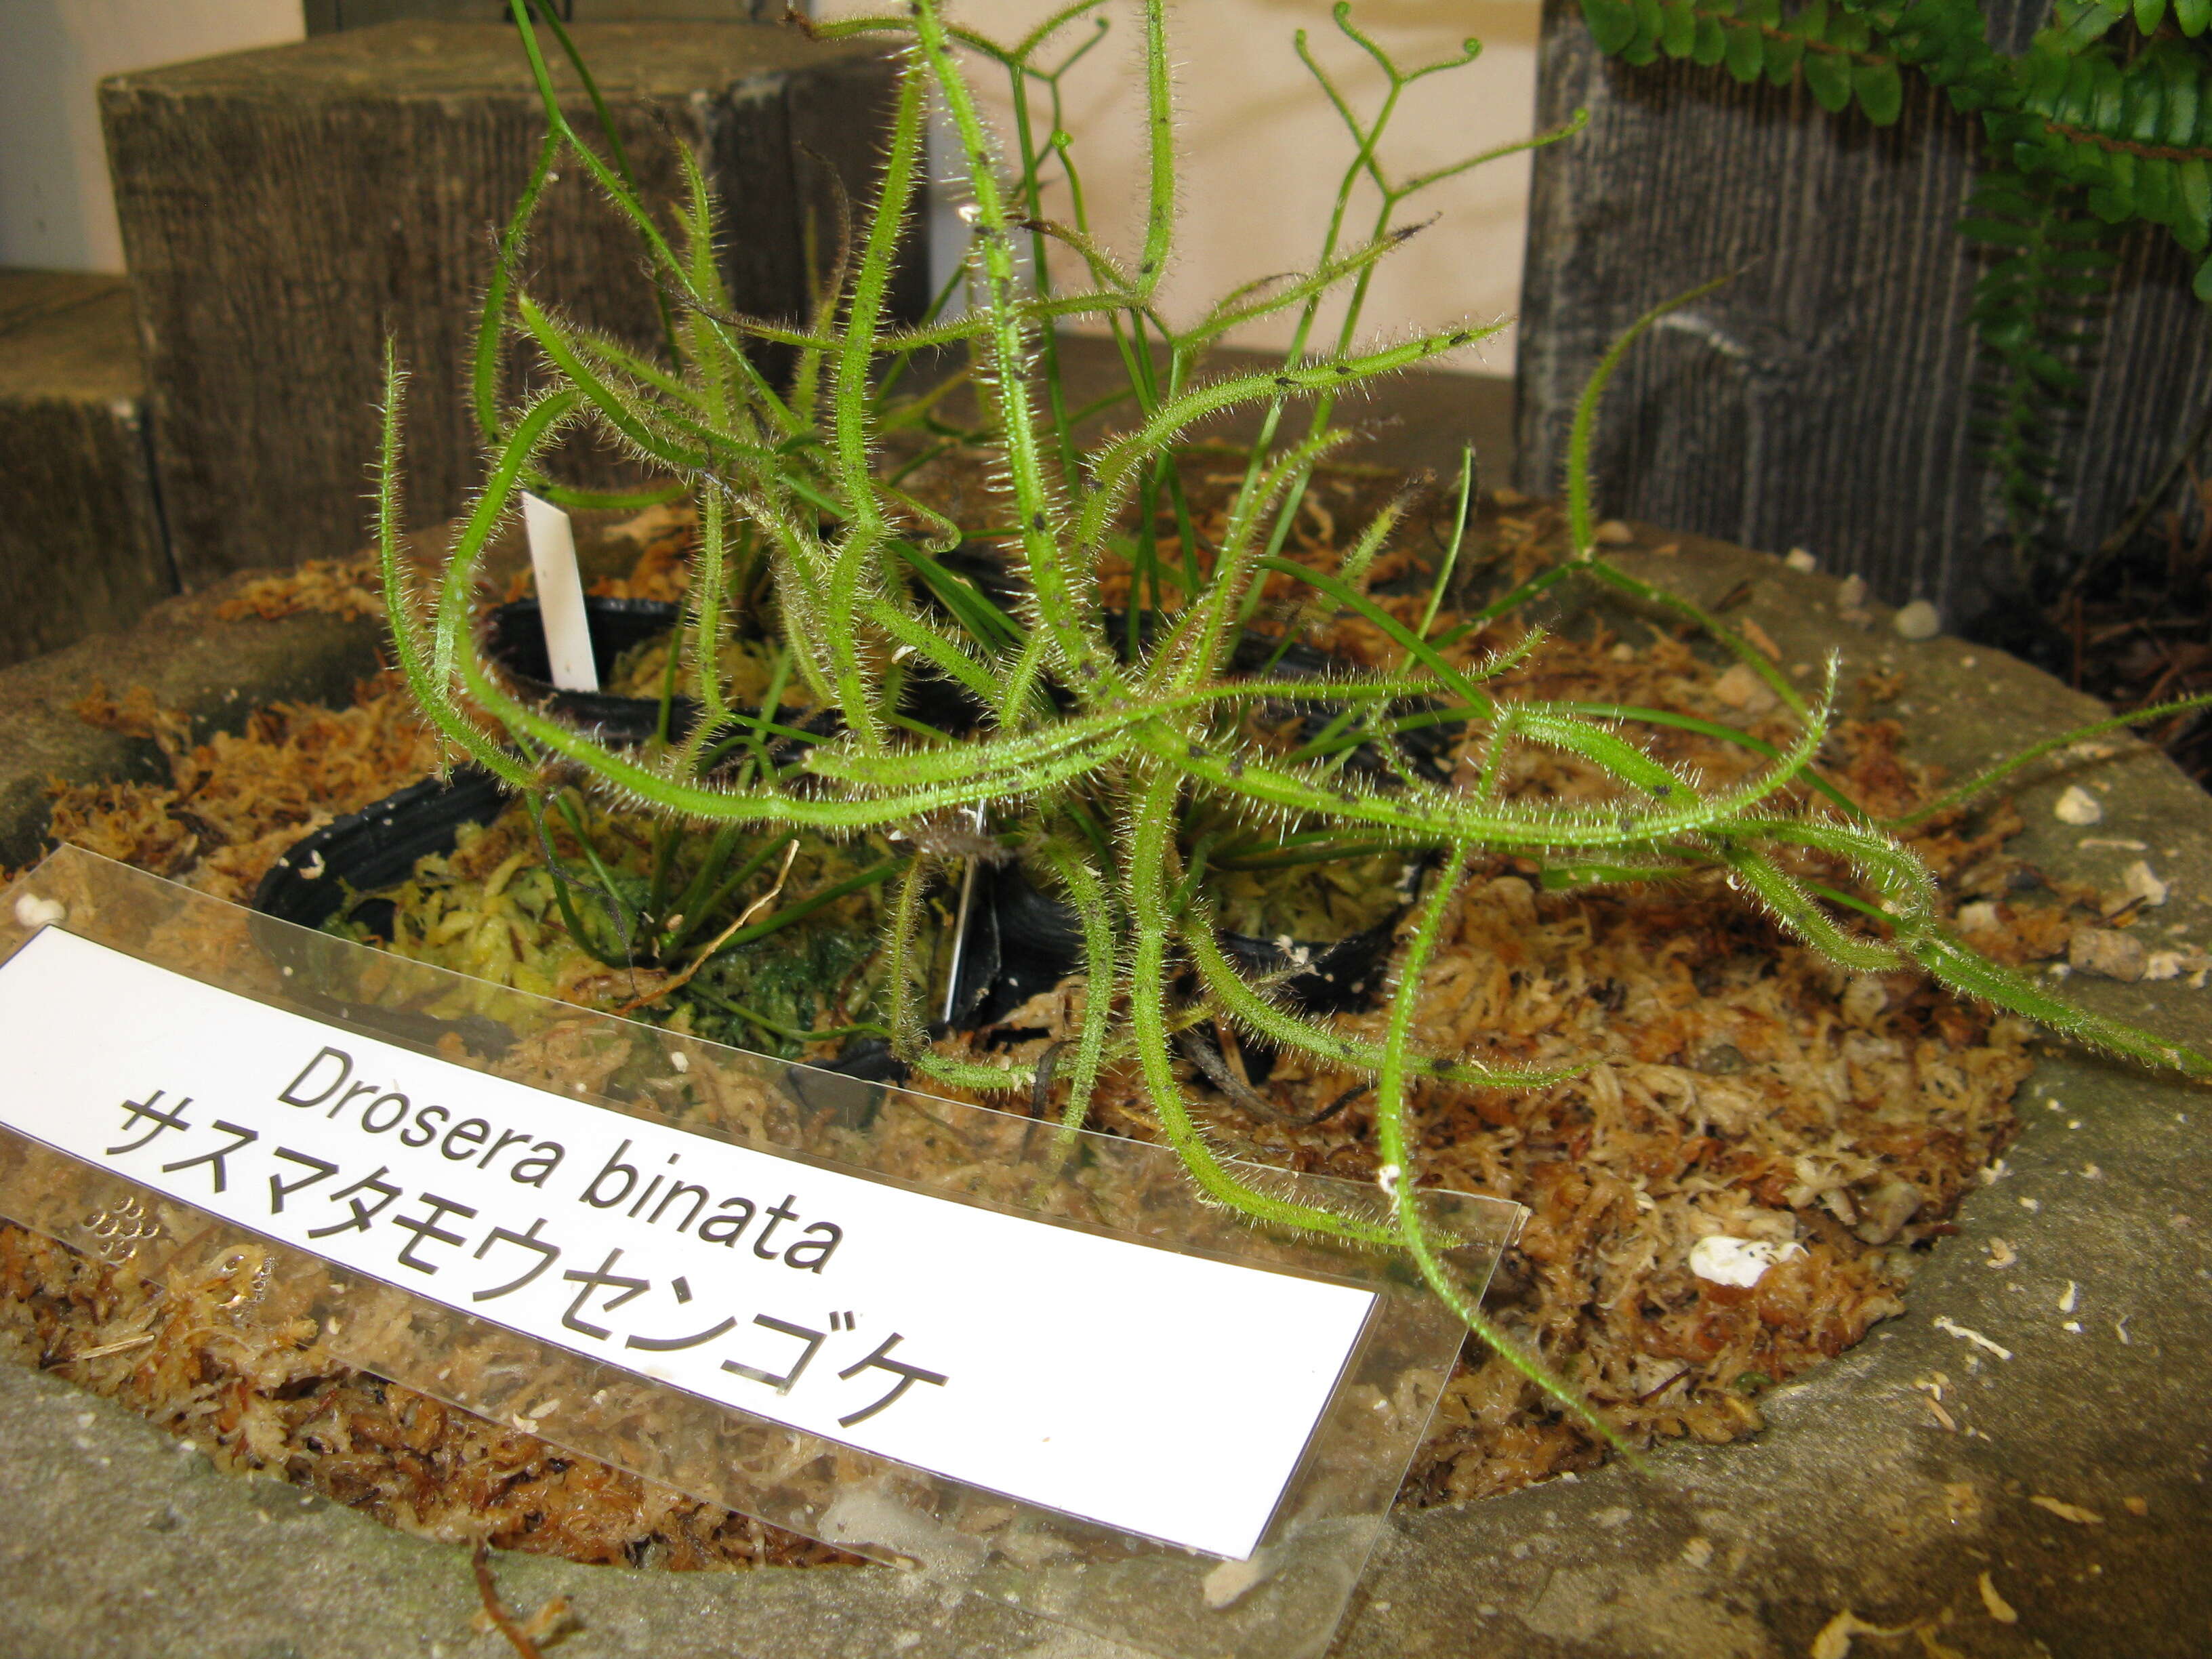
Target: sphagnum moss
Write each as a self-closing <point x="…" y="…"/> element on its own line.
<point x="1101" y="740"/>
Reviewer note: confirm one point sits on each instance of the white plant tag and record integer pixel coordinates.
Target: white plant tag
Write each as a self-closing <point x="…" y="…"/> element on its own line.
<point x="559" y="595"/>
<point x="1163" y="1394"/>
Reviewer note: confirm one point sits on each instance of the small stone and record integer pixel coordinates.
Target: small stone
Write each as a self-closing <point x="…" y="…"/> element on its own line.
<point x="2078" y="807"/>
<point x="1980" y="917"/>
<point x="1505" y="496"/>
<point x="1798" y="559"/>
<point x="1614" y="532"/>
<point x="1741" y="1262"/>
<point x="1721" y="1060"/>
<point x="32" y="913"/>
<point x="2162" y="964"/>
<point x="1227" y="1583"/>
<point x="2109" y="952"/>
<point x="1852" y="594"/>
<point x="1918" y="621"/>
<point x="2141" y="882"/>
<point x="1999" y="1608"/>
<point x="1697" y="1553"/>
<point x="1742" y="690"/>
<point x="1759" y="637"/>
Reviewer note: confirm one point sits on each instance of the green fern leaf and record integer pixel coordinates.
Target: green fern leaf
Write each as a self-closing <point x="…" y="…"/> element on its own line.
<point x="2114" y="199"/>
<point x="2043" y="78"/>
<point x="2154" y="191"/>
<point x="2084" y="22"/>
<point x="2183" y="75"/>
<point x="2193" y="15"/>
<point x="1828" y="78"/>
<point x="2149" y="13"/>
<point x="2192" y="197"/>
<point x="1711" y="43"/>
<point x="2105" y="114"/>
<point x="2073" y="101"/>
<point x="1746" y="55"/>
<point x="1645" y="45"/>
<point x="1785" y="51"/>
<point x="1880" y="91"/>
<point x="1611" y="24"/>
<point x="1678" y="28"/>
<point x="2143" y="104"/>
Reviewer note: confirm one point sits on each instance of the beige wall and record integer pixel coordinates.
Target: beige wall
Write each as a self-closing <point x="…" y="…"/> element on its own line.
<point x="56" y="211"/>
<point x="1263" y="151"/>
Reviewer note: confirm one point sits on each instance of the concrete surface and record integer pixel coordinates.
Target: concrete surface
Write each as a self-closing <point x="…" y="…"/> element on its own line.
<point x="1856" y="1500"/>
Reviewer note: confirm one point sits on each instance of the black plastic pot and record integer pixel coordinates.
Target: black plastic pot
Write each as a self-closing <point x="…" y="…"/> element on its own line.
<point x="514" y="638"/>
<point x="339" y="871"/>
<point x="1020" y="941"/>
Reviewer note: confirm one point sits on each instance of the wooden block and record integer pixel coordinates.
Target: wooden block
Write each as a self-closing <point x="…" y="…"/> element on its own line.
<point x="281" y="209"/>
<point x="81" y="546"/>
<point x="1820" y="399"/>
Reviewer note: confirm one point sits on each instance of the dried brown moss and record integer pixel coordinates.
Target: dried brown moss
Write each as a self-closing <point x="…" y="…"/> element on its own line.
<point x="1737" y="1085"/>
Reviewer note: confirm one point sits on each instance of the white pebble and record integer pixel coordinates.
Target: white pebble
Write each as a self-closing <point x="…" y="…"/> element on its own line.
<point x="2108" y="953"/>
<point x="1742" y="688"/>
<point x="1798" y="559"/>
<point x="2078" y="806"/>
<point x="1918" y="621"/>
<point x="32" y="913"/>
<point x="2142" y="882"/>
<point x="1739" y="1261"/>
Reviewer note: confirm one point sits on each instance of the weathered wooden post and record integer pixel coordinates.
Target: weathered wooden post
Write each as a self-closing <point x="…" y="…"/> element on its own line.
<point x="1823" y="398"/>
<point x="283" y="210"/>
<point x="81" y="543"/>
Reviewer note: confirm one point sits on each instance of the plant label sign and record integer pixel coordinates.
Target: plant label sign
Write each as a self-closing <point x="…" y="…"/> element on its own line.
<point x="1011" y="1354"/>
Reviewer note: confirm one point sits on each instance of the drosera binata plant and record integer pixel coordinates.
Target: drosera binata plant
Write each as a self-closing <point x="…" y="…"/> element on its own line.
<point x="1104" y="752"/>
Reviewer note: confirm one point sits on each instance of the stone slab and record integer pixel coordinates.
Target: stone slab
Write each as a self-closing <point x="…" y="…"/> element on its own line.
<point x="216" y="672"/>
<point x="1857" y="1498"/>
